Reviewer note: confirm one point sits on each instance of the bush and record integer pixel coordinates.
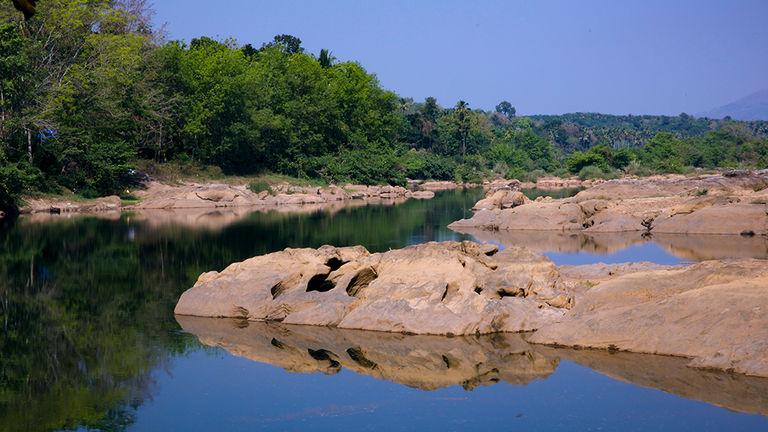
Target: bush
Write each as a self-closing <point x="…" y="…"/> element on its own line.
<point x="580" y="160"/>
<point x="369" y="163"/>
<point x="516" y="173"/>
<point x="561" y="172"/>
<point x="258" y="186"/>
<point x="425" y="165"/>
<point x="467" y="174"/>
<point x="533" y="176"/>
<point x="637" y="169"/>
<point x="15" y="179"/>
<point x="591" y="172"/>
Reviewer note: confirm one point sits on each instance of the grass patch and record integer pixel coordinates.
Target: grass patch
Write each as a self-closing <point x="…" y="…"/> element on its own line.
<point x="129" y="199"/>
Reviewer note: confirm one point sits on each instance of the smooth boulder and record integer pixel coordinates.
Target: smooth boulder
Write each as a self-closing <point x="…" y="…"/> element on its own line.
<point x="714" y="312"/>
<point x="434" y="288"/>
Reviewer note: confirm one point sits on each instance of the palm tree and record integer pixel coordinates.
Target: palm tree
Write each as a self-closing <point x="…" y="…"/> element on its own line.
<point x="462" y="118"/>
<point x="326" y="58"/>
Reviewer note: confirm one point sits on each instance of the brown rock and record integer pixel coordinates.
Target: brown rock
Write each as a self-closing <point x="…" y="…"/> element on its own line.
<point x="434" y="288"/>
<point x="501" y="199"/>
<point x="713" y="204"/>
<point x="713" y="312"/>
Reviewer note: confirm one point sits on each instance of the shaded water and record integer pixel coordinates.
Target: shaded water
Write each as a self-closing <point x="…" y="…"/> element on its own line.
<point x="89" y="339"/>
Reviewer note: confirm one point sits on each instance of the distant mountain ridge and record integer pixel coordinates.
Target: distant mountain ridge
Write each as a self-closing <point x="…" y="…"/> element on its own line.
<point x="751" y="107"/>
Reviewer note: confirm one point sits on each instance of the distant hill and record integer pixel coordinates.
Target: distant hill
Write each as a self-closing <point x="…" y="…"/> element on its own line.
<point x="752" y="107"/>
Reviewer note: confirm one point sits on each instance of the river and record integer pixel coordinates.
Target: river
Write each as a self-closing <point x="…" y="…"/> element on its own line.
<point x="89" y="340"/>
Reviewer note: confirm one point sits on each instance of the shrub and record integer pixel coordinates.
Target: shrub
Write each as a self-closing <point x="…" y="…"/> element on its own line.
<point x="515" y="173"/>
<point x="591" y="172"/>
<point x="258" y="186"/>
<point x="637" y="169"/>
<point x="425" y="165"/>
<point x="467" y="174"/>
<point x="534" y="175"/>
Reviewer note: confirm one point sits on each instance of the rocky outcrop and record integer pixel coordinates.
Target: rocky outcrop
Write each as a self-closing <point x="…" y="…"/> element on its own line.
<point x="193" y="195"/>
<point x="501" y="199"/>
<point x="434" y="362"/>
<point x="210" y="196"/>
<point x="543" y="183"/>
<point x="713" y="312"/>
<point x="434" y="186"/>
<point x="60" y="205"/>
<point x="713" y="204"/>
<point x="434" y="288"/>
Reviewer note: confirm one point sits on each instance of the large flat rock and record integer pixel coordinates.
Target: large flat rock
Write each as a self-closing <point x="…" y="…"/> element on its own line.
<point x="711" y="204"/>
<point x="434" y="288"/>
<point x="713" y="312"/>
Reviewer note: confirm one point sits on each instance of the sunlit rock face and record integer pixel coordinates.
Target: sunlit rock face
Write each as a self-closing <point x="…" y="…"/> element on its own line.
<point x="714" y="204"/>
<point x="217" y="195"/>
<point x="434" y="288"/>
<point x="713" y="312"/>
<point x="432" y="362"/>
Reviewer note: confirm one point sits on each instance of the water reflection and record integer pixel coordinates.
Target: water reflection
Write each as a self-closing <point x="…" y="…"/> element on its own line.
<point x="433" y="362"/>
<point x="87" y="326"/>
<point x="423" y="362"/>
<point x="689" y="247"/>
<point x="86" y="302"/>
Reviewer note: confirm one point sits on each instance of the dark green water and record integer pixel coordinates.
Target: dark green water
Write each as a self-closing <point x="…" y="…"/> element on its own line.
<point x="89" y="341"/>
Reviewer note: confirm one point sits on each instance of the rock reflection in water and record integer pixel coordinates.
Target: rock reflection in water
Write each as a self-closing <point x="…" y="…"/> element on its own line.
<point x="691" y="247"/>
<point x="423" y="362"/>
<point x="433" y="362"/>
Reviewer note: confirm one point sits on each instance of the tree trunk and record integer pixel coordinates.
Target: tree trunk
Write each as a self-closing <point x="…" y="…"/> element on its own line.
<point x="29" y="145"/>
<point x="2" y="115"/>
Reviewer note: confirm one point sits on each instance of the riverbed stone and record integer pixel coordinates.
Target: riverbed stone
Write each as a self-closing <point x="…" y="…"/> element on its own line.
<point x="709" y="204"/>
<point x="713" y="312"/>
<point x="433" y="288"/>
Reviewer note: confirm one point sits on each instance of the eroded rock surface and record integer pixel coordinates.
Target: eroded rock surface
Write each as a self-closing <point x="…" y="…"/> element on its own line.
<point x="434" y="288"/>
<point x="193" y="195"/>
<point x="712" y="204"/>
<point x="713" y="312"/>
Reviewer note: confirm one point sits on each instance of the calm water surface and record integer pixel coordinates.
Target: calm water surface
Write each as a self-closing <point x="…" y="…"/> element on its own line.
<point x="89" y="340"/>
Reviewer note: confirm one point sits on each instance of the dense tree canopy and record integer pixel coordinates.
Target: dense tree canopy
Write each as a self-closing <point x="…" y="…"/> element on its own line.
<point x="87" y="89"/>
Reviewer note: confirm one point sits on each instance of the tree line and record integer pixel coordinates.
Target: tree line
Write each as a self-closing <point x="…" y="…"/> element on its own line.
<point x="88" y="89"/>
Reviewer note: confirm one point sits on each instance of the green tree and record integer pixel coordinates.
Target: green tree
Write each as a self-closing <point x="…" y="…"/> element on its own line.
<point x="505" y="108"/>
<point x="326" y="58"/>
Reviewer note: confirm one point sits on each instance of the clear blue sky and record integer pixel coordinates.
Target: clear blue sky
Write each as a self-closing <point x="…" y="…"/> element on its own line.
<point x="649" y="56"/>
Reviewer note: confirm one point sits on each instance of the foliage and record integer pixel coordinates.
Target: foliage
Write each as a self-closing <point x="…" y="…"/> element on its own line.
<point x="258" y="186"/>
<point x="89" y="92"/>
<point x="591" y="172"/>
<point x="422" y="164"/>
